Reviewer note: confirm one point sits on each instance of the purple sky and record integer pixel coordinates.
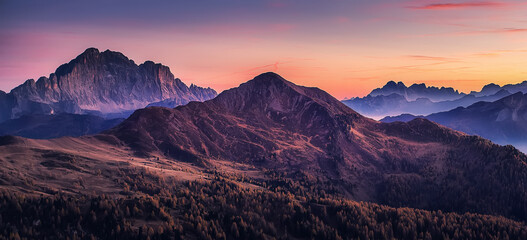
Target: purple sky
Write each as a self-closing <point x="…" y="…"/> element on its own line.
<point x="344" y="47"/>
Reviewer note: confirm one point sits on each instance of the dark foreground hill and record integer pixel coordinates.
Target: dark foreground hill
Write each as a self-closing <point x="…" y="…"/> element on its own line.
<point x="271" y="123"/>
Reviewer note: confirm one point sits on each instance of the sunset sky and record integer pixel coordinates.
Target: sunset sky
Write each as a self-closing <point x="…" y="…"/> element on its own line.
<point x="344" y="47"/>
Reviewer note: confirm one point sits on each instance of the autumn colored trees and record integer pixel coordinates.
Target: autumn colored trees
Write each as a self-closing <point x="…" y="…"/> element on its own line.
<point x="223" y="208"/>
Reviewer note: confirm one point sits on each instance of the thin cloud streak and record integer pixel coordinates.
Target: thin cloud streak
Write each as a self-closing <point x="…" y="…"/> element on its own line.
<point x="499" y="31"/>
<point x="496" y="53"/>
<point x="446" y="6"/>
<point x="468" y="33"/>
<point x="432" y="58"/>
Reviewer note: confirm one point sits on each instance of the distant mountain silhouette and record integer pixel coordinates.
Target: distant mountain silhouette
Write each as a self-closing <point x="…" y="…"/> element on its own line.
<point x="270" y="123"/>
<point x="395" y="104"/>
<point x="99" y="83"/>
<point x="416" y="91"/>
<point x="395" y="99"/>
<point x="492" y="88"/>
<point x="503" y="121"/>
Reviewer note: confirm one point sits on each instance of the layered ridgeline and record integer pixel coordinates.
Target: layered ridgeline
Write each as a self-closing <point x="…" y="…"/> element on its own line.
<point x="100" y="83"/>
<point x="269" y="136"/>
<point x="503" y="121"/>
<point x="491" y="89"/>
<point x="418" y="99"/>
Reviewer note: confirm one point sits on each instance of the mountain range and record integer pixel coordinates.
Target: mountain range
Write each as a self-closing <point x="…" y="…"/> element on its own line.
<point x="269" y="123"/>
<point x="503" y="121"/>
<point x="99" y="83"/>
<point x="492" y="88"/>
<point x="395" y="99"/>
<point x="416" y="91"/>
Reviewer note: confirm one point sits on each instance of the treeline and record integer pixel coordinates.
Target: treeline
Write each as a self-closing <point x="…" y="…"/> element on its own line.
<point x="220" y="208"/>
<point x="491" y="182"/>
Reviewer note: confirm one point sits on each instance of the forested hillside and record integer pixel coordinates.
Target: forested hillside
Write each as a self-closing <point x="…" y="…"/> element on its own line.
<point x="233" y="207"/>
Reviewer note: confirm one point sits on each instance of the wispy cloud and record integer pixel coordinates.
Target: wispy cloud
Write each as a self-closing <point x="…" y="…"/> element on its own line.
<point x="430" y="63"/>
<point x="496" y="53"/>
<point x="424" y="68"/>
<point x="486" y="54"/>
<point x="498" y="30"/>
<point x="445" y="6"/>
<point x="512" y="51"/>
<point x="469" y="33"/>
<point x="512" y="30"/>
<point x="432" y="58"/>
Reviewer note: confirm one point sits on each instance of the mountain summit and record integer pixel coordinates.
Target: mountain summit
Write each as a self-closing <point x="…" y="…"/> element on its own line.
<point x="253" y="121"/>
<point x="102" y="83"/>
<point x="270" y="92"/>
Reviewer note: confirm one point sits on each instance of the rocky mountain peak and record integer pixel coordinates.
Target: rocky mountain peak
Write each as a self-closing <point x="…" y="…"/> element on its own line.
<point x="91" y="50"/>
<point x="394" y="85"/>
<point x="102" y="83"/>
<point x="418" y="86"/>
<point x="490" y="86"/>
<point x="488" y="89"/>
<point x="89" y="53"/>
<point x="270" y="84"/>
<point x="92" y="60"/>
<point x="269" y="78"/>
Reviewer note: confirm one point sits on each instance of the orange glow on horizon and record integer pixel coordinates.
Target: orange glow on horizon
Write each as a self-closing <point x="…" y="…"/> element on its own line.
<point x="347" y="50"/>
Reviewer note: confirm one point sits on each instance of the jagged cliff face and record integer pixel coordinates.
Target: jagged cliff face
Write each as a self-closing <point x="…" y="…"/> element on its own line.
<point x="102" y="82"/>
